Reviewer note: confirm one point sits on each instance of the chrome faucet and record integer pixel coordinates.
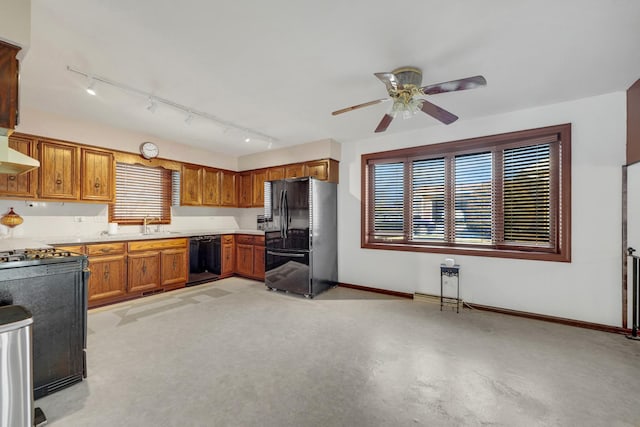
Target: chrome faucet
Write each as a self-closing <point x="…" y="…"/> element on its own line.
<point x="146" y="221"/>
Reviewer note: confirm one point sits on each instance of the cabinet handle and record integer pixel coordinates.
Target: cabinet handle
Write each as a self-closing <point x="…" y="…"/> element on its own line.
<point x="97" y="184"/>
<point x="144" y="268"/>
<point x="58" y="181"/>
<point x="12" y="177"/>
<point x="106" y="273"/>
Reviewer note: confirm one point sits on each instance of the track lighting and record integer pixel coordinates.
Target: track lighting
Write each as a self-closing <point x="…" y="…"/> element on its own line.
<point x="154" y="100"/>
<point x="152" y="105"/>
<point x="90" y="89"/>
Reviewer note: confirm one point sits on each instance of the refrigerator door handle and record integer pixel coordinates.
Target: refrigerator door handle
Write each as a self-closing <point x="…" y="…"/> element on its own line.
<point x="286" y="254"/>
<point x="286" y="215"/>
<point x="281" y="213"/>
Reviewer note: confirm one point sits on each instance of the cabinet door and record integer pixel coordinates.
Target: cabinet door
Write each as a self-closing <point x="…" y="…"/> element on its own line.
<point x="275" y="173"/>
<point x="245" y="188"/>
<point x="228" y="184"/>
<point x="191" y="185"/>
<point x="8" y="85"/>
<point x="294" y="171"/>
<point x="144" y="271"/>
<point x="23" y="185"/>
<point x="98" y="175"/>
<point x="318" y="169"/>
<point x="108" y="278"/>
<point x="258" y="262"/>
<point x="174" y="267"/>
<point x="258" y="179"/>
<point x="59" y="174"/>
<point x="211" y="187"/>
<point x="244" y="259"/>
<point x="228" y="264"/>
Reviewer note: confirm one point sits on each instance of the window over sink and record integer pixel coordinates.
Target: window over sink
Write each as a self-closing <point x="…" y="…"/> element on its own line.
<point x="143" y="191"/>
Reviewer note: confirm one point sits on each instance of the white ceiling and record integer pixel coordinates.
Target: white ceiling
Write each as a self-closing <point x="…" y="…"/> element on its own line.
<point x="281" y="66"/>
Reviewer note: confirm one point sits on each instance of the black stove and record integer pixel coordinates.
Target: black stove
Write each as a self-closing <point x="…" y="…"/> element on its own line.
<point x="38" y="254"/>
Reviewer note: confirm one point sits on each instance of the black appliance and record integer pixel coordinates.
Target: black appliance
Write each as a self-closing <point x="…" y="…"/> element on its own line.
<point x="301" y="254"/>
<point x="52" y="285"/>
<point x="205" y="261"/>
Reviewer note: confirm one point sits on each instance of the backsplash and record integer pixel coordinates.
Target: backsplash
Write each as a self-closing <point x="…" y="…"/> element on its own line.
<point x="53" y="219"/>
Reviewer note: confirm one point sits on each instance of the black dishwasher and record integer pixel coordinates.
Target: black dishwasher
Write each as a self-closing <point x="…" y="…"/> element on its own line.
<point x="204" y="259"/>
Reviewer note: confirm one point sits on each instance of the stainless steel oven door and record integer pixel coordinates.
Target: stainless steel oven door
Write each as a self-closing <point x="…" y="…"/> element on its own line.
<point x="288" y="271"/>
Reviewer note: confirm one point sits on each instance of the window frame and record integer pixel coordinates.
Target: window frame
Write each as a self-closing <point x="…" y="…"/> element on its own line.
<point x="166" y="201"/>
<point x="562" y="223"/>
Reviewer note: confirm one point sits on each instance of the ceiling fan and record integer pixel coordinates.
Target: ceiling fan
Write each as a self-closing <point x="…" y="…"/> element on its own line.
<point x="403" y="86"/>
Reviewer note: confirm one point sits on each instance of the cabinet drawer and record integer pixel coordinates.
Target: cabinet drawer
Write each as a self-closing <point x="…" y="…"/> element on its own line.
<point x="227" y="238"/>
<point x="244" y="239"/>
<point x="105" y="249"/>
<point x="146" y="245"/>
<point x="76" y="249"/>
<point x="258" y="240"/>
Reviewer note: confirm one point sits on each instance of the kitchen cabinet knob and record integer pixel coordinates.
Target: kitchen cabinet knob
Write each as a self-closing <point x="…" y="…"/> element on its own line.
<point x="97" y="184"/>
<point x="12" y="177"/>
<point x="58" y="181"/>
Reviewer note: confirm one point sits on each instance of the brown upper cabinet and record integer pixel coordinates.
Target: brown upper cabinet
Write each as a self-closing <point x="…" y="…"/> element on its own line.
<point x="294" y="171"/>
<point x="228" y="186"/>
<point x="25" y="184"/>
<point x="191" y="185"/>
<point x="59" y="172"/>
<point x="9" y="70"/>
<point x="98" y="175"/>
<point x="211" y="187"/>
<point x="258" y="178"/>
<point x="245" y="189"/>
<point x="275" y="173"/>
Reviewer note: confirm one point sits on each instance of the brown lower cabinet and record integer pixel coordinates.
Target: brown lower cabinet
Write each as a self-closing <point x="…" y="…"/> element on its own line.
<point x="228" y="256"/>
<point x="108" y="264"/>
<point x="156" y="265"/>
<point x="250" y="256"/>
<point x="126" y="270"/>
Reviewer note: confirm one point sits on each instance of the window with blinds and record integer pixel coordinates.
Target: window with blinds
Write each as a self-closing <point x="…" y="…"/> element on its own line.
<point x="504" y="195"/>
<point x="142" y="191"/>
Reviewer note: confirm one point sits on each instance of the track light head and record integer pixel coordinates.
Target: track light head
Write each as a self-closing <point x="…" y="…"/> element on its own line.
<point x="90" y="89"/>
<point x="152" y="105"/>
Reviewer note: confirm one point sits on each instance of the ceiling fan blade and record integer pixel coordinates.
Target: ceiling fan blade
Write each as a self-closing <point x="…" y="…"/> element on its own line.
<point x="438" y="113"/>
<point x="454" y="85"/>
<point x="390" y="81"/>
<point x="355" y="107"/>
<point x="384" y="123"/>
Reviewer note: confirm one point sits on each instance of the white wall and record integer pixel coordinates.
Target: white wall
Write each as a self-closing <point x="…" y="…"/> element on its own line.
<point x="42" y="123"/>
<point x="16" y="24"/>
<point x="326" y="148"/>
<point x="587" y="289"/>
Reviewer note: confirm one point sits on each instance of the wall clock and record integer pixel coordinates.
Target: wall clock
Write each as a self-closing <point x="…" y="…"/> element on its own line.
<point x="149" y="150"/>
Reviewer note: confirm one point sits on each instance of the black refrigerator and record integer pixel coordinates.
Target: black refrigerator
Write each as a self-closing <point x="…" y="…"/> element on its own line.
<point x="301" y="240"/>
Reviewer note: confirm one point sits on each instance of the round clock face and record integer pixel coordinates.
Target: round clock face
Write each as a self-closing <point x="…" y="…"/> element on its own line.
<point x="149" y="150"/>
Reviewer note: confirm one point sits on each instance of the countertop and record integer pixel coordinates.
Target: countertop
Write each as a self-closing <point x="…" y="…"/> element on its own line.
<point x="70" y="240"/>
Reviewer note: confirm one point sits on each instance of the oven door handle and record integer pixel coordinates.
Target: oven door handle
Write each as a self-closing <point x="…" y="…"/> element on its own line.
<point x="286" y="254"/>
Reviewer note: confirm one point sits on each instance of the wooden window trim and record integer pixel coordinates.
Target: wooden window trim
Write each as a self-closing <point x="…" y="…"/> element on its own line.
<point x="562" y="220"/>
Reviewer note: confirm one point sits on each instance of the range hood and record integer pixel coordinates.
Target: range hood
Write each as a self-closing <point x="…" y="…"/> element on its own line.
<point x="12" y="161"/>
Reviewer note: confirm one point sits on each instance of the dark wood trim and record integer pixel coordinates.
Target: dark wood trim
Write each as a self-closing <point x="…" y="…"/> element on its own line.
<point x="625" y="243"/>
<point x="377" y="290"/>
<point x="633" y="123"/>
<point x="552" y="319"/>
<point x="561" y="133"/>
